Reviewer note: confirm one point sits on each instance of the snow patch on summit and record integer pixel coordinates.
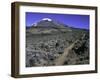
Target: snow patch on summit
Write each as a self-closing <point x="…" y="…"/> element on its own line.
<point x="47" y="19"/>
<point x="34" y="24"/>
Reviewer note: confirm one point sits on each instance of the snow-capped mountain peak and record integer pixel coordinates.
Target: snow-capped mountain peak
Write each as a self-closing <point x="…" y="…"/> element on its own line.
<point x="47" y="19"/>
<point x="48" y="23"/>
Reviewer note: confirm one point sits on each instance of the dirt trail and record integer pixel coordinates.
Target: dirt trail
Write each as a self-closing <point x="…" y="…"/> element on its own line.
<point x="61" y="59"/>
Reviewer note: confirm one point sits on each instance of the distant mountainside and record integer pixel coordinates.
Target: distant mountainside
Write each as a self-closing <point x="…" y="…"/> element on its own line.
<point x="47" y="26"/>
<point x="48" y="23"/>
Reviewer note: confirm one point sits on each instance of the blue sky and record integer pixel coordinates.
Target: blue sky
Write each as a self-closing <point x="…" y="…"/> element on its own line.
<point x="77" y="21"/>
